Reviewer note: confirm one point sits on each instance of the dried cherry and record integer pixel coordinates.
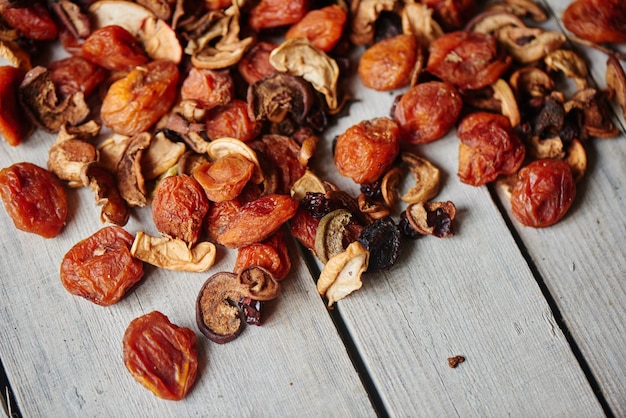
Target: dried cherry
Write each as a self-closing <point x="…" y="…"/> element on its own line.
<point x="382" y="239"/>
<point x="488" y="147"/>
<point x="34" y="199"/>
<point x="179" y="207"/>
<point x="543" y="193"/>
<point x="137" y="101"/>
<point x="100" y="268"/>
<point x="160" y="355"/>
<point x="468" y="60"/>
<point x="388" y="64"/>
<point x="323" y="27"/>
<point x="365" y="151"/>
<point x="427" y="111"/>
<point x="114" y="48"/>
<point x="14" y="127"/>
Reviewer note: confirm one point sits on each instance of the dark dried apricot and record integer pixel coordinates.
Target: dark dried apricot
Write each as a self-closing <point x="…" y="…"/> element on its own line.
<point x="100" y="268"/>
<point x="114" y="48"/>
<point x="597" y="21"/>
<point x="33" y="20"/>
<point x="255" y="64"/>
<point x="76" y="74"/>
<point x="209" y="88"/>
<point x="34" y="199"/>
<point x="233" y="121"/>
<point x="323" y="27"/>
<point x="275" y="13"/>
<point x="543" y="194"/>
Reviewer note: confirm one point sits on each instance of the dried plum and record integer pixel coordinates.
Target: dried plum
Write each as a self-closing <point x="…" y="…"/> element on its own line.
<point x="382" y="239"/>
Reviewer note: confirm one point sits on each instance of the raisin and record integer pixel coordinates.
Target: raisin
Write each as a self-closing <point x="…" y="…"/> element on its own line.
<point x="427" y="111"/>
<point x="467" y="60"/>
<point x="160" y="355"/>
<point x="34" y="199"/>
<point x="488" y="148"/>
<point x="382" y="239"/>
<point x="100" y="268"/>
<point x="543" y="193"/>
<point x="323" y="27"/>
<point x="137" y="101"/>
<point x="14" y="126"/>
<point x="179" y="207"/>
<point x="209" y="88"/>
<point x="114" y="48"/>
<point x="365" y="151"/>
<point x="388" y="64"/>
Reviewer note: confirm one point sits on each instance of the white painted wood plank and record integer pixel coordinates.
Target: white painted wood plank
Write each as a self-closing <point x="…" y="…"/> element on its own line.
<point x="63" y="354"/>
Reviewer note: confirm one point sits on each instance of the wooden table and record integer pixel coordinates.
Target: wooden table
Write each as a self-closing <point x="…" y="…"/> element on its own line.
<point x="538" y="314"/>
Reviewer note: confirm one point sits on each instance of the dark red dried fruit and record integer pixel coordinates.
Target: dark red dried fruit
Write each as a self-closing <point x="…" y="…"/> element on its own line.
<point x="382" y="239"/>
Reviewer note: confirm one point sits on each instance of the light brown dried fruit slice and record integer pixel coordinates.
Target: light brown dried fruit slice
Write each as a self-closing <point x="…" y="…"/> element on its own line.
<point x="342" y="273"/>
<point x="173" y="254"/>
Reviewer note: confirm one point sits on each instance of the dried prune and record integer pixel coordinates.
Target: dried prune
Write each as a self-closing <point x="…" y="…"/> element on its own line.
<point x="467" y="60"/>
<point x="427" y="111"/>
<point x="488" y="147"/>
<point x="388" y="64"/>
<point x="179" y="207"/>
<point x="137" y="101"/>
<point x="323" y="27"/>
<point x="382" y="239"/>
<point x="365" y="151"/>
<point x="34" y="199"/>
<point x="543" y="193"/>
<point x="114" y="48"/>
<point x="160" y="355"/>
<point x="100" y="268"/>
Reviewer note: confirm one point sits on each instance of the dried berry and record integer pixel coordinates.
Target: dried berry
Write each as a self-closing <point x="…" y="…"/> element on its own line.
<point x="34" y="199"/>
<point x="382" y="239"/>
<point x="388" y="64"/>
<point x="160" y="355"/>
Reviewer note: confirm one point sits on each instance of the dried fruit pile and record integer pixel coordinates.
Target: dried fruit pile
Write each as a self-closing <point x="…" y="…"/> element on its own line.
<point x="212" y="112"/>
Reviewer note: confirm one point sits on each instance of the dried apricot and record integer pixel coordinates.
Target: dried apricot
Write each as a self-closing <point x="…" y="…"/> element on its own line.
<point x="275" y="13"/>
<point x="209" y="88"/>
<point x="467" y="60"/>
<point x="388" y="64"/>
<point x="14" y="127"/>
<point x="597" y="21"/>
<point x="233" y="121"/>
<point x="137" y="101"/>
<point x="179" y="207"/>
<point x="255" y="64"/>
<point x="271" y="254"/>
<point x="100" y="268"/>
<point x="544" y="192"/>
<point x="224" y="178"/>
<point x="73" y="74"/>
<point x="34" y="199"/>
<point x="33" y="21"/>
<point x="323" y="27"/>
<point x="160" y="355"/>
<point x="427" y="111"/>
<point x="114" y="48"/>
<point x="489" y="147"/>
<point x="452" y="14"/>
<point x="365" y="151"/>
